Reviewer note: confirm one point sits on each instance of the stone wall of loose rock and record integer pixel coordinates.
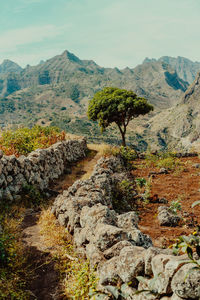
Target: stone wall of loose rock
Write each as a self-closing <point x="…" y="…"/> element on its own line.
<point x="114" y="243"/>
<point x="39" y="168"/>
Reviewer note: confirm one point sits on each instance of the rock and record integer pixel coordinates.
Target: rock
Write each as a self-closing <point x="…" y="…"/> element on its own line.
<point x="94" y="255"/>
<point x="175" y="297"/>
<point x="167" y="218"/>
<point x="140" y="238"/>
<point x="115" y="250"/>
<point x="1" y="154"/>
<point x="107" y="235"/>
<point x="164" y="267"/>
<point x="186" y="282"/>
<point x="163" y="171"/>
<point x="108" y="272"/>
<point x="148" y="256"/>
<point x="97" y="214"/>
<point x="100" y="297"/>
<point x="128" y="220"/>
<point x="128" y="292"/>
<point x="197" y="165"/>
<point x="163" y="200"/>
<point x="147" y="294"/>
<point x="130" y="263"/>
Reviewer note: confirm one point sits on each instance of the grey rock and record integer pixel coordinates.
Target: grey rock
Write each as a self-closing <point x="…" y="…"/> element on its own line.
<point x="140" y="238"/>
<point x="130" y="263"/>
<point x="128" y="220"/>
<point x="149" y="254"/>
<point x="116" y="249"/>
<point x="164" y="267"/>
<point x="186" y="282"/>
<point x="97" y="214"/>
<point x="167" y="218"/>
<point x="108" y="272"/>
<point x="107" y="235"/>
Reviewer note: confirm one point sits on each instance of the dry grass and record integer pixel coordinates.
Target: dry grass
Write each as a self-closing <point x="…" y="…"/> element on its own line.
<point x="76" y="276"/>
<point x="14" y="271"/>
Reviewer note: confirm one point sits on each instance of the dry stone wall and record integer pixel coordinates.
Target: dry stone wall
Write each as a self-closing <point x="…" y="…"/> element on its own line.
<point x="39" y="168"/>
<point x="113" y="242"/>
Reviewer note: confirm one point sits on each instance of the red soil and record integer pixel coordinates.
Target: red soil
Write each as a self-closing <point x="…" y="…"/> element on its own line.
<point x="183" y="184"/>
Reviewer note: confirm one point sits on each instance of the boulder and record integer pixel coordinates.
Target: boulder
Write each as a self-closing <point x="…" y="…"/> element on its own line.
<point x="167" y="218"/>
<point x="164" y="267"/>
<point x="186" y="282"/>
<point x="128" y="220"/>
<point x="108" y="272"/>
<point x="107" y="235"/>
<point x="130" y="263"/>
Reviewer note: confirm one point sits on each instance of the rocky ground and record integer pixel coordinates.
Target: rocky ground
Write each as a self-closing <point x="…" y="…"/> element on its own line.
<point x="115" y="237"/>
<point x="183" y="185"/>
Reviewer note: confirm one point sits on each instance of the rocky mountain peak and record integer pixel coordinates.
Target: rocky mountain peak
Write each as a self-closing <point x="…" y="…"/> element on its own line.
<point x="70" y="56"/>
<point x="9" y="66"/>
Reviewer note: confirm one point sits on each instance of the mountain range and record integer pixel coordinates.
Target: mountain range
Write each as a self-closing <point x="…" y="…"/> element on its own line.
<point x="56" y="92"/>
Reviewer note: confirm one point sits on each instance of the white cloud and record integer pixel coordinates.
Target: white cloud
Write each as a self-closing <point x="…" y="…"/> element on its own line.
<point x="12" y="39"/>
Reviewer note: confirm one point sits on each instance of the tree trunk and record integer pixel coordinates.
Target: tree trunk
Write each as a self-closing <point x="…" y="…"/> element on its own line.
<point x="123" y="139"/>
<point x="123" y="132"/>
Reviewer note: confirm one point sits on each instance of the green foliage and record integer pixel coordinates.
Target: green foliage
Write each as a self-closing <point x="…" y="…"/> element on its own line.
<point x="147" y="191"/>
<point x="119" y="106"/>
<point x="83" y="281"/>
<point x="24" y="140"/>
<point x="6" y="243"/>
<point x="13" y="272"/>
<point x="127" y="154"/>
<point x="175" y="206"/>
<point x="165" y="160"/>
<point x="31" y="195"/>
<point x="140" y="182"/>
<point x="189" y="245"/>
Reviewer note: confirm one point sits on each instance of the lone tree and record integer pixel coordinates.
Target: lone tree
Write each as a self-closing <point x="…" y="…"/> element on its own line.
<point x="113" y="105"/>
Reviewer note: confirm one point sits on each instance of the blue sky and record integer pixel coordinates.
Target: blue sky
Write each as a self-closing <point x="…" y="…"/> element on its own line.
<point x="111" y="32"/>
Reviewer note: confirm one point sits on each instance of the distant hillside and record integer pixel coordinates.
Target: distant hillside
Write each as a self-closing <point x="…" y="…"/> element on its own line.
<point x="56" y="92"/>
<point x="185" y="68"/>
<point x="179" y="126"/>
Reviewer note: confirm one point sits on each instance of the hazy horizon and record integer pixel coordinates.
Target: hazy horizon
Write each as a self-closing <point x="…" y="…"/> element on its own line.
<point x="112" y="33"/>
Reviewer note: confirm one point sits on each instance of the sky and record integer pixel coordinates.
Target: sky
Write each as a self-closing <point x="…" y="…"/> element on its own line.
<point x="113" y="33"/>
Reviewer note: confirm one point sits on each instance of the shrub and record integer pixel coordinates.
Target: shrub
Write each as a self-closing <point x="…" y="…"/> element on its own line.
<point x="165" y="160"/>
<point x="24" y="140"/>
<point x="125" y="153"/>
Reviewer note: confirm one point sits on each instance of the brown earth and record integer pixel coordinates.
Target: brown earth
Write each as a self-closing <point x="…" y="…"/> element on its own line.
<point x="182" y="184"/>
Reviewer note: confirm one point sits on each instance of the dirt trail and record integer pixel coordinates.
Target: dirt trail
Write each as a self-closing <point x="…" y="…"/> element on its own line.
<point x="45" y="281"/>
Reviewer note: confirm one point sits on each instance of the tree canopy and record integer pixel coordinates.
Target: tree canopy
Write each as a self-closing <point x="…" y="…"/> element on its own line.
<point x="120" y="106"/>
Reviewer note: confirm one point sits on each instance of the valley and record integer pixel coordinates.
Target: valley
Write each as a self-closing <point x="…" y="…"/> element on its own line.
<point x="56" y="92"/>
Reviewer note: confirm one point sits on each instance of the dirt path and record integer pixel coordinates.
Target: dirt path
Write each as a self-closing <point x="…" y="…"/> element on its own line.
<point x="45" y="281"/>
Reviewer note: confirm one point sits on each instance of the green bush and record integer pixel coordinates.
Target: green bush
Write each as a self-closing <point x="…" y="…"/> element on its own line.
<point x="24" y="140"/>
<point x="165" y="160"/>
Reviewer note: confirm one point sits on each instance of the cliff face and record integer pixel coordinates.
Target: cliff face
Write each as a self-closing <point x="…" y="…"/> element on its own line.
<point x="180" y="126"/>
<point x="185" y="68"/>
